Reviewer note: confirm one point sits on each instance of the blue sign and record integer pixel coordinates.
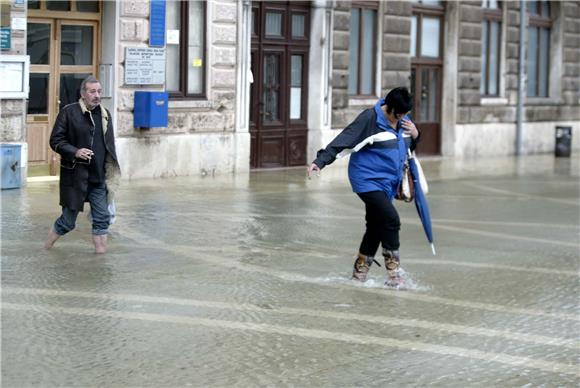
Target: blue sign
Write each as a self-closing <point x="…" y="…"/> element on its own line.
<point x="157" y="23"/>
<point x="5" y="38"/>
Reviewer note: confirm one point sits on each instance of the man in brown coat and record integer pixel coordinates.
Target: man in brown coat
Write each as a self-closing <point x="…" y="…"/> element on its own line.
<point x="89" y="170"/>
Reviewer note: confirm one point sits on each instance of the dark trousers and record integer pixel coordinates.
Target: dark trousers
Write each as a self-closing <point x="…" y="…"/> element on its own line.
<point x="383" y="223"/>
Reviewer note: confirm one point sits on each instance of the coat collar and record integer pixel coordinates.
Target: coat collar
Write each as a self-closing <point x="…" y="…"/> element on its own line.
<point x="104" y="114"/>
<point x="84" y="108"/>
<point x="382" y="121"/>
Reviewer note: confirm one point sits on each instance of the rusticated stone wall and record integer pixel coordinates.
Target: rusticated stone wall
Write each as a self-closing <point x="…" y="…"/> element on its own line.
<point x="396" y="45"/>
<point x="470" y="119"/>
<point x="195" y="126"/>
<point x="394" y="17"/>
<point x="12" y="111"/>
<point x="214" y="114"/>
<point x="341" y="36"/>
<point x="562" y="104"/>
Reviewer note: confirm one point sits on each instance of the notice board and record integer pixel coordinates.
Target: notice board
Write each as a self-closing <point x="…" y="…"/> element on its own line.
<point x="144" y="66"/>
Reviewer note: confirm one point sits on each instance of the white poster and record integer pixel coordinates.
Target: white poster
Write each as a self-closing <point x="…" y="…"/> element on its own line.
<point x="11" y="74"/>
<point x="172" y="36"/>
<point x="19" y="24"/>
<point x="144" y="66"/>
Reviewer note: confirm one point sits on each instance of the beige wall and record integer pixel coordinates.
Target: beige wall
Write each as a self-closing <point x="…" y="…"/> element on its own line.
<point x="12" y="111"/>
<point x="201" y="132"/>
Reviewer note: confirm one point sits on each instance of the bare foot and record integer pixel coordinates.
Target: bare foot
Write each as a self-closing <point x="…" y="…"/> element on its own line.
<point x="51" y="239"/>
<point x="100" y="242"/>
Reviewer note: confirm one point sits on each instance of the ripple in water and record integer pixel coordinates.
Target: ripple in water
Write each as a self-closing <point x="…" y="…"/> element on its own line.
<point x="409" y="283"/>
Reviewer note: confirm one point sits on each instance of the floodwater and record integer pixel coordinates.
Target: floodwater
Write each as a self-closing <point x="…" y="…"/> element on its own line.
<point x="245" y="281"/>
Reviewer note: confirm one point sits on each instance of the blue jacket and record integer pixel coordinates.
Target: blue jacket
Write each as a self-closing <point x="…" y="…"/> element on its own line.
<point x="378" y="152"/>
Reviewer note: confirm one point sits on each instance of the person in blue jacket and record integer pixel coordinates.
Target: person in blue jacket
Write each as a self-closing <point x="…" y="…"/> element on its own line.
<point x="377" y="141"/>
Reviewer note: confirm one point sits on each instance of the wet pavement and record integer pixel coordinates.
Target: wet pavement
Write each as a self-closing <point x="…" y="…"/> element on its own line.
<point x="244" y="281"/>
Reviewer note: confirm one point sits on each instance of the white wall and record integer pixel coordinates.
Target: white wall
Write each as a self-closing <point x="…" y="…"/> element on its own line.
<point x="480" y="140"/>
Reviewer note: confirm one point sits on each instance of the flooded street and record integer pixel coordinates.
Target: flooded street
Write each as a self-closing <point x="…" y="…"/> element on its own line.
<point x="245" y="281"/>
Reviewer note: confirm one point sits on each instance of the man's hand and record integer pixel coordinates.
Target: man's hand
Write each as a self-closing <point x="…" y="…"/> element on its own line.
<point x="84" y="153"/>
<point x="313" y="167"/>
<point x="410" y="128"/>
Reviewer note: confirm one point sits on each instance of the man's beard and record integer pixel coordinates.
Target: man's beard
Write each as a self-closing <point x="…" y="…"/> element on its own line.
<point x="91" y="104"/>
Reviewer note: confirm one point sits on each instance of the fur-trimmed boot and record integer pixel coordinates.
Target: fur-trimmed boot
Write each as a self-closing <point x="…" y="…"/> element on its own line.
<point x="362" y="265"/>
<point x="392" y="265"/>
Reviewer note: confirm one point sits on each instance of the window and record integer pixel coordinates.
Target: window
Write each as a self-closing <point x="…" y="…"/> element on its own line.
<point x="363" y="51"/>
<point x="540" y="24"/>
<point x="426" y="25"/>
<point x="66" y="6"/>
<point x="185" y="49"/>
<point x="490" y="48"/>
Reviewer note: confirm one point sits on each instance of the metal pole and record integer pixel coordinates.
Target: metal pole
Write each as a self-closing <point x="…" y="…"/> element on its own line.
<point x="521" y="79"/>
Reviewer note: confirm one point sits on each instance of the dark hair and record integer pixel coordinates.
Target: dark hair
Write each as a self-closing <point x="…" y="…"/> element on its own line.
<point x="399" y="100"/>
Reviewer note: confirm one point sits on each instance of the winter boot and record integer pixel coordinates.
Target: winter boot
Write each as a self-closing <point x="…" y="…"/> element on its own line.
<point x="362" y="265"/>
<point x="392" y="264"/>
<point x="100" y="242"/>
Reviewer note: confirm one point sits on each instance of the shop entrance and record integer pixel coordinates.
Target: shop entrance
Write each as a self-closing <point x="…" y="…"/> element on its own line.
<point x="278" y="95"/>
<point x="62" y="41"/>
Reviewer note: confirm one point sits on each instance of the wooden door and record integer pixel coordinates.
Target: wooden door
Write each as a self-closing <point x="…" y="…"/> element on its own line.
<point x="41" y="107"/>
<point x="426" y="89"/>
<point x="77" y="58"/>
<point x="279" y="59"/>
<point x="426" y="72"/>
<point x="63" y="48"/>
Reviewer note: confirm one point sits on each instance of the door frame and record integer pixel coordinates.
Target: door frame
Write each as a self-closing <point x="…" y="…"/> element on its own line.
<point x="48" y="118"/>
<point x="290" y="133"/>
<point x="418" y="63"/>
<point x="74" y="69"/>
<point x="57" y="19"/>
<point x="431" y="130"/>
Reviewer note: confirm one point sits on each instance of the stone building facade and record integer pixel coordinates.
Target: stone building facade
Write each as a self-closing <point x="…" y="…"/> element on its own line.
<point x="279" y="80"/>
<point x="200" y="136"/>
<point x="12" y="110"/>
<point x="471" y="123"/>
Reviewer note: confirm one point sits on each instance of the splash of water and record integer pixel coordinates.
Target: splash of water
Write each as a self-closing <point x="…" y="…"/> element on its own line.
<point x="409" y="282"/>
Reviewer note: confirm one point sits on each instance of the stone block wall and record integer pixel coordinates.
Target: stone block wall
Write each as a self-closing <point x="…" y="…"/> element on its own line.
<point x="395" y="19"/>
<point x="396" y="45"/>
<point x="213" y="114"/>
<point x="571" y="59"/>
<point x="340" y="53"/>
<point x="12" y="111"/>
<point x="472" y="108"/>
<point x="194" y="122"/>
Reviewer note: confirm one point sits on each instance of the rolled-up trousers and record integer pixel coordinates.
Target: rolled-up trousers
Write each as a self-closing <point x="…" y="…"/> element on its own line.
<point x="97" y="197"/>
<point x="382" y="223"/>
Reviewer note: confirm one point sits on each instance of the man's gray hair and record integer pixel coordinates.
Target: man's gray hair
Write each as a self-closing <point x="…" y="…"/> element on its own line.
<point x="89" y="80"/>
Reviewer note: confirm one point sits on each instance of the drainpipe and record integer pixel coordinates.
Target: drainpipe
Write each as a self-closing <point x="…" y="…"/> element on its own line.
<point x="521" y="79"/>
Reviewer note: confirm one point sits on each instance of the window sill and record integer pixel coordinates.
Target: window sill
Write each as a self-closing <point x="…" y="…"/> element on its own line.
<point x="188" y="104"/>
<point x="543" y="101"/>
<point x="362" y="101"/>
<point x="494" y="101"/>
